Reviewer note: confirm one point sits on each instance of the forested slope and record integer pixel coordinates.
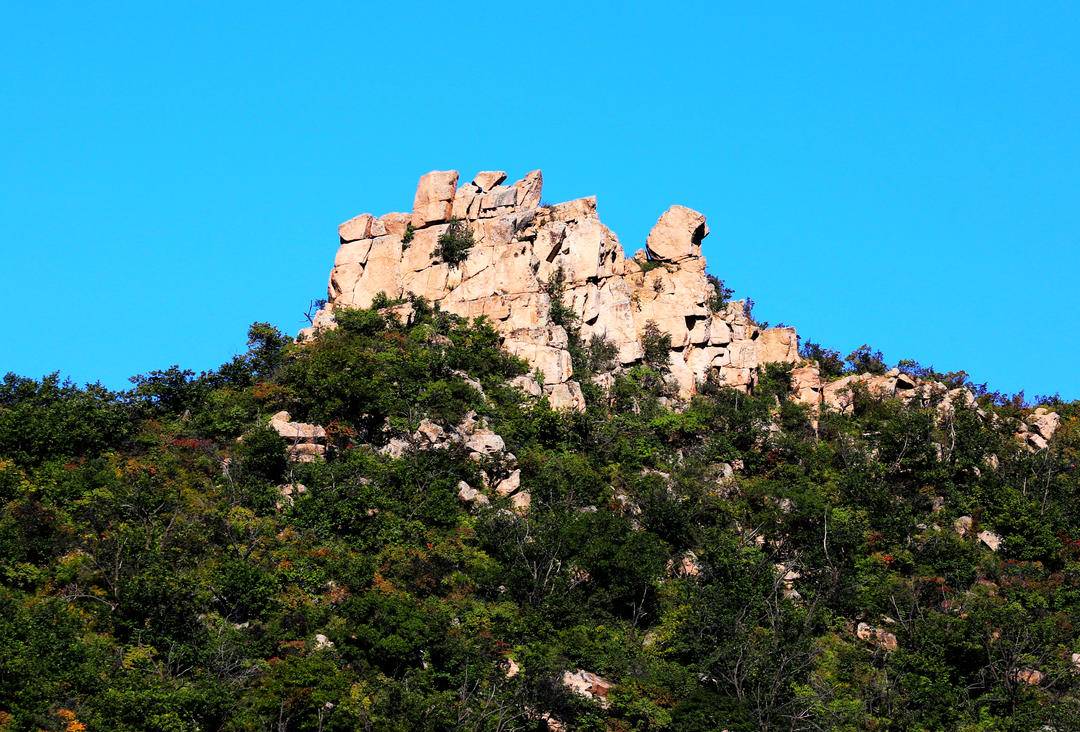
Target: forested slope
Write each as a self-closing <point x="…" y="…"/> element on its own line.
<point x="717" y="564"/>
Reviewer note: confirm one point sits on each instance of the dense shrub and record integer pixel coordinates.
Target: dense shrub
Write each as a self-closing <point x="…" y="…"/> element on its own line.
<point x="454" y="244"/>
<point x="830" y="362"/>
<point x="712" y="559"/>
<point x="719" y="294"/>
<point x="656" y="346"/>
<point x="865" y="360"/>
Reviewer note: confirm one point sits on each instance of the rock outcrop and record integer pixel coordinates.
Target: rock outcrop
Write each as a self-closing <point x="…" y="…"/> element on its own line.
<point x="879" y="637"/>
<point x="1038" y="428"/>
<point x="305" y="442"/>
<point x="519" y="247"/>
<point x="587" y="684"/>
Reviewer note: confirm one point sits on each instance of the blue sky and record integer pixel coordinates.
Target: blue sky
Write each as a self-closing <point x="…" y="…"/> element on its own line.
<point x="903" y="176"/>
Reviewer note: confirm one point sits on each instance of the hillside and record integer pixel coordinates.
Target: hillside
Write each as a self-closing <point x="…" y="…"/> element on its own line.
<point x="513" y="480"/>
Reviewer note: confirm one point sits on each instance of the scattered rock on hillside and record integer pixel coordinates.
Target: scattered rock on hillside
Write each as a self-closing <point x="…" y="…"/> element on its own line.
<point x="879" y="637"/>
<point x="1038" y="428"/>
<point x="468" y="494"/>
<point x="962" y="525"/>
<point x="305" y="441"/>
<point x="990" y="539"/>
<point x="588" y="684"/>
<point x="289" y="492"/>
<point x="1029" y="676"/>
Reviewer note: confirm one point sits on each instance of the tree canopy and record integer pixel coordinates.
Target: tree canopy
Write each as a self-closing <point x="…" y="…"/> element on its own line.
<point x="724" y="564"/>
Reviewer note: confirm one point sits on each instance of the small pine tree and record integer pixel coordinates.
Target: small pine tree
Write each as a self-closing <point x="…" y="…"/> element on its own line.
<point x="864" y="360"/>
<point x="454" y="244"/>
<point x="830" y="362"/>
<point x="720" y="295"/>
<point x="657" y="346"/>
<point x="558" y="311"/>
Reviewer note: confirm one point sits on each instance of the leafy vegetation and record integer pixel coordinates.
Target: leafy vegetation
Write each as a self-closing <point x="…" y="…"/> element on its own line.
<point x="454" y="244"/>
<point x="153" y="575"/>
<point x="863" y="360"/>
<point x="588" y="358"/>
<point x="656" y="346"/>
<point x="720" y="294"/>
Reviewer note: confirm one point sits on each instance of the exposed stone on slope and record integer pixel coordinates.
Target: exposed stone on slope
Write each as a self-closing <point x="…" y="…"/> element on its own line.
<point x="484" y="442"/>
<point x="787" y="577"/>
<point x="510" y="484"/>
<point x="962" y="525"/>
<point x="356" y="228"/>
<point x="1038" y="428"/>
<point x="879" y="637"/>
<point x="288" y="492"/>
<point x="305" y="441"/>
<point x="677" y="235"/>
<point x="521" y="501"/>
<point x="587" y="684"/>
<point x="1035" y="430"/>
<point x="687" y="566"/>
<point x="806" y="385"/>
<point x="1029" y="676"/>
<point x="468" y="494"/>
<point x="434" y="197"/>
<point x="990" y="539"/>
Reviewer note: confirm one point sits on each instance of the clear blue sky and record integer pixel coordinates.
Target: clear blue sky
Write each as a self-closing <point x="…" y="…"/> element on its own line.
<point x="907" y="177"/>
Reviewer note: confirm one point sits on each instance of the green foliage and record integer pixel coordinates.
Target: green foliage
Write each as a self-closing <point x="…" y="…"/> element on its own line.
<point x="594" y="357"/>
<point x="864" y="360"/>
<point x="51" y="418"/>
<point x="154" y="576"/>
<point x="370" y="369"/>
<point x="830" y="362"/>
<point x="454" y="244"/>
<point x="261" y="455"/>
<point x="558" y="311"/>
<point x="656" y="345"/>
<point x="601" y="354"/>
<point x="719" y="294"/>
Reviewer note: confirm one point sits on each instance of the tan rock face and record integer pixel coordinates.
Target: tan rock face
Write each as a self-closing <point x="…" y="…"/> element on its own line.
<point x="1038" y="428"/>
<point x="304" y="442"/>
<point x="358" y="227"/>
<point x="992" y="540"/>
<point x="879" y="637"/>
<point x="488" y="179"/>
<point x="587" y="684"/>
<point x="519" y="247"/>
<point x="677" y="235"/>
<point x="806" y="385"/>
<point x="434" y="198"/>
<point x="778" y="345"/>
<point x="1030" y="676"/>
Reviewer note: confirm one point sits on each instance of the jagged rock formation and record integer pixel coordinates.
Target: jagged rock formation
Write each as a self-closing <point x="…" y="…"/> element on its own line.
<point x="520" y="245"/>
<point x="1038" y="427"/>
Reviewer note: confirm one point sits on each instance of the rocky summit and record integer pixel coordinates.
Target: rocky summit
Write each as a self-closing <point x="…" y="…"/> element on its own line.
<point x="525" y="261"/>
<point x="511" y="480"/>
<point x="521" y="246"/>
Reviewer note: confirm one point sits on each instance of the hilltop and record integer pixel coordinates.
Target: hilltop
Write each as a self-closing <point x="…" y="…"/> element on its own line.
<point x="511" y="479"/>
